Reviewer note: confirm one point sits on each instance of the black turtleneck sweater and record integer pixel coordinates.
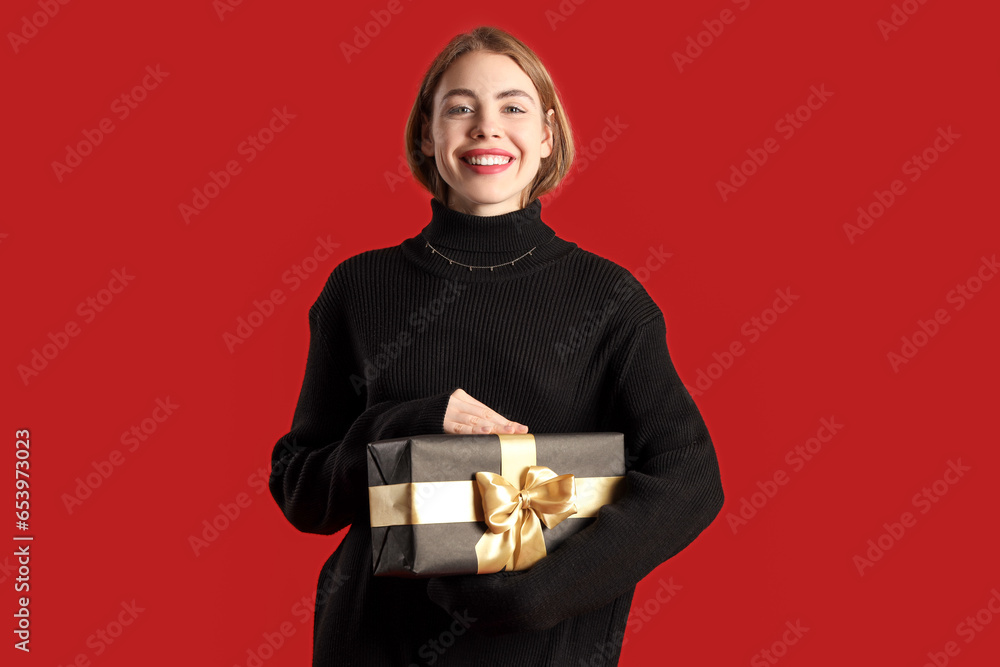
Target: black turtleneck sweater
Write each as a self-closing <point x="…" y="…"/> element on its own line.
<point x="563" y="341"/>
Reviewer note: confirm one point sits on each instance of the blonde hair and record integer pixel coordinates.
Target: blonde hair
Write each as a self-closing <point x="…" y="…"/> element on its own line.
<point x="492" y="40"/>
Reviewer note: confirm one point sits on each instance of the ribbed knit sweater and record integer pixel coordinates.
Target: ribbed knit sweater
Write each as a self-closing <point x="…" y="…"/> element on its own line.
<point x="561" y="340"/>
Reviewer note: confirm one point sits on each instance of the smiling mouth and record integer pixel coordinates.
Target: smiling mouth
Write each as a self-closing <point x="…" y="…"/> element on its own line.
<point x="487" y="160"/>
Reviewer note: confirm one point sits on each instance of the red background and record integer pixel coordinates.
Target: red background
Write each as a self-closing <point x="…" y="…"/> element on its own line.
<point x="654" y="185"/>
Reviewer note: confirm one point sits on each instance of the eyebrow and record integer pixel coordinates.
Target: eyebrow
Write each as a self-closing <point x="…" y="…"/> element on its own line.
<point x="503" y="94"/>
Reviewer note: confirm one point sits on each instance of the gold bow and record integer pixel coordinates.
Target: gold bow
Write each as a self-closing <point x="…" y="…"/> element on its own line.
<point x="514" y="516"/>
<point x="513" y="537"/>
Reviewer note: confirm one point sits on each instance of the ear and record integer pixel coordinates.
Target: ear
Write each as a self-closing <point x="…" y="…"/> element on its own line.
<point x="426" y="140"/>
<point x="548" y="137"/>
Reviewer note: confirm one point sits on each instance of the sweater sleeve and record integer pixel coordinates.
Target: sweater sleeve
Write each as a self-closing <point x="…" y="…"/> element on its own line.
<point x="674" y="492"/>
<point x="319" y="472"/>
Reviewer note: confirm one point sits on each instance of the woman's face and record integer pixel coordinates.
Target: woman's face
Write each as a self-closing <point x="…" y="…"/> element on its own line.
<point x="486" y="110"/>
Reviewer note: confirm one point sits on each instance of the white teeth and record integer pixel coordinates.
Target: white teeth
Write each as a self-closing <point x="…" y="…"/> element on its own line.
<point x="488" y="159"/>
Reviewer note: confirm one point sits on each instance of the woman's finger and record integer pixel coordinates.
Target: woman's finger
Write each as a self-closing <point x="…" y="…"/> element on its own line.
<point x="466" y="414"/>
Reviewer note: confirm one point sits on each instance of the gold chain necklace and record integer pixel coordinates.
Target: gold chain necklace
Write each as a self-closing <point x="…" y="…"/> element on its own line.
<point x="470" y="266"/>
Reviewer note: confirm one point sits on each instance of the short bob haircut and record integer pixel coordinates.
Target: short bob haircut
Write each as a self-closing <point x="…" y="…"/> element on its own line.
<point x="551" y="170"/>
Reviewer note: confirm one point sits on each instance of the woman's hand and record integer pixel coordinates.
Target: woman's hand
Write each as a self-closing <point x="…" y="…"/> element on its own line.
<point x="466" y="415"/>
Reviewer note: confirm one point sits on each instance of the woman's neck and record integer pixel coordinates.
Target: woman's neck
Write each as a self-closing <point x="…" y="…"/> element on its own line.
<point x="462" y="205"/>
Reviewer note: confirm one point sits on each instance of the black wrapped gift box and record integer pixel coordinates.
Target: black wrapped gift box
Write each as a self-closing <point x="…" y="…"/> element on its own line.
<point x="425" y="506"/>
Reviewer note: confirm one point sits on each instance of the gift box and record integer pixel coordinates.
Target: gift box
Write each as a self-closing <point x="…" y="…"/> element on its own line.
<point x="473" y="504"/>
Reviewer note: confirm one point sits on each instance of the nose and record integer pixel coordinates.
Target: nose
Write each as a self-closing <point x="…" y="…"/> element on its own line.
<point x="487" y="125"/>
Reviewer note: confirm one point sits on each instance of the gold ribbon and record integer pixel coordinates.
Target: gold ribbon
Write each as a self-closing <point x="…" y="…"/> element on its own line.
<point x="513" y="504"/>
<point x="514" y="515"/>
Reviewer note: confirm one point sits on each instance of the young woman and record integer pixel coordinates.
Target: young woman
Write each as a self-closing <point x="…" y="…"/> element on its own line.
<point x="488" y="322"/>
